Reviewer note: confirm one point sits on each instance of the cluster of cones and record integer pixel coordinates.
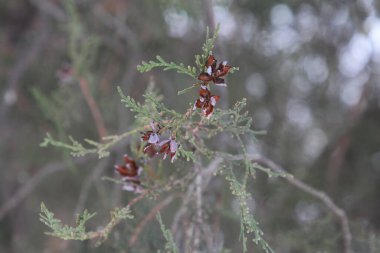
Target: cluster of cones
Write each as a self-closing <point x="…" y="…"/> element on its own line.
<point x="130" y="171"/>
<point x="130" y="174"/>
<point x="207" y="101"/>
<point x="154" y="146"/>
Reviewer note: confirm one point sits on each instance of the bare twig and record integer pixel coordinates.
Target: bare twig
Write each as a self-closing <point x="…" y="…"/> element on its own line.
<point x="198" y="214"/>
<point x="100" y="126"/>
<point x="150" y="216"/>
<point x="194" y="189"/>
<point x="95" y="174"/>
<point x="83" y="195"/>
<point x="119" y="26"/>
<point x="347" y="236"/>
<point x="29" y="186"/>
<point x="336" y="159"/>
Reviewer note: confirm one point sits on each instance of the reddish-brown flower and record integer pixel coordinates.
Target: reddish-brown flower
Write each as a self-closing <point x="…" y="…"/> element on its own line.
<point x="129" y="169"/>
<point x="130" y="174"/>
<point x="168" y="147"/>
<point x="206" y="101"/>
<point x="152" y="138"/>
<point x="214" y="73"/>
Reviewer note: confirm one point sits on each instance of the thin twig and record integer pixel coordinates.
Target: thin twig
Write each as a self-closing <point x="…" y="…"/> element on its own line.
<point x="124" y="32"/>
<point x="29" y="186"/>
<point x="198" y="215"/>
<point x="192" y="189"/>
<point x="336" y="159"/>
<point x="347" y="236"/>
<point x="100" y="126"/>
<point x="103" y="233"/>
<point x="83" y="195"/>
<point x="95" y="174"/>
<point x="150" y="216"/>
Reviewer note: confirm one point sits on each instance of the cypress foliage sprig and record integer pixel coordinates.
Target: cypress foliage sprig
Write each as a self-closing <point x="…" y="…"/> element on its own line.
<point x="162" y="131"/>
<point x="170" y="245"/>
<point x="64" y="231"/>
<point x="179" y="67"/>
<point x="79" y="233"/>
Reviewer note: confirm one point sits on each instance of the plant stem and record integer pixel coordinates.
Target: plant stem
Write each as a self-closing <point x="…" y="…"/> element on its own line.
<point x="95" y="112"/>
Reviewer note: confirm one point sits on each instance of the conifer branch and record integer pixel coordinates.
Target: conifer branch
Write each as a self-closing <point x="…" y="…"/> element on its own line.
<point x="322" y="196"/>
<point x="79" y="232"/>
<point x="170" y="245"/>
<point x="248" y="224"/>
<point x="207" y="48"/>
<point x="189" y="133"/>
<point x="64" y="231"/>
<point x="179" y="67"/>
<point x="77" y="149"/>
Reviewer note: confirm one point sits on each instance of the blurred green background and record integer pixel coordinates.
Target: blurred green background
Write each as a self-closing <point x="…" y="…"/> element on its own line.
<point x="309" y="69"/>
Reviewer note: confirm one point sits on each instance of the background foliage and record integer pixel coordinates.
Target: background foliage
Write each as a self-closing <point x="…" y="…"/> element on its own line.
<point x="309" y="71"/>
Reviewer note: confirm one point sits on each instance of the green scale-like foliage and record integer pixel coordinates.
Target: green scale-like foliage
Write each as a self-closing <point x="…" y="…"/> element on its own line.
<point x="233" y="122"/>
